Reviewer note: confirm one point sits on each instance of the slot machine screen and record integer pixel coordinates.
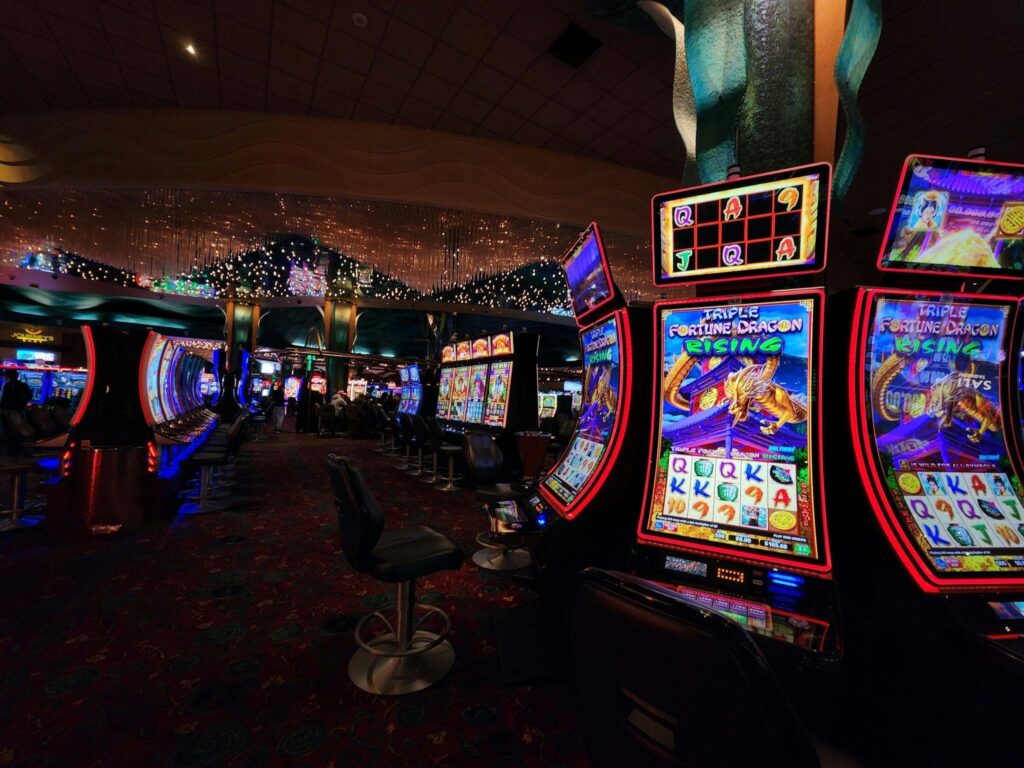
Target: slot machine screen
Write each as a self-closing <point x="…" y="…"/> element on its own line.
<point x="775" y="222"/>
<point x="957" y="216"/>
<point x="156" y="354"/>
<point x="464" y="351"/>
<point x="460" y="393"/>
<point x="736" y="468"/>
<point x="444" y="393"/>
<point x="318" y="383"/>
<point x="498" y="386"/>
<point x="415" y="389"/>
<point x="36" y="382"/>
<point x="586" y="271"/>
<point x="292" y="385"/>
<point x="935" y="426"/>
<point x="477" y="393"/>
<point x="547" y="404"/>
<point x="405" y="399"/>
<point x="403" y="374"/>
<point x="602" y="387"/>
<point x="448" y="354"/>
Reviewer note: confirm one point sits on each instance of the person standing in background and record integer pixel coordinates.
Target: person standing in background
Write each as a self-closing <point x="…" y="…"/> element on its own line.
<point x="277" y="403"/>
<point x="15" y="397"/>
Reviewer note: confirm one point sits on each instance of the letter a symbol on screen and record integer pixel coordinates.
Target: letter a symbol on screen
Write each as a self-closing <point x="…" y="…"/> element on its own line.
<point x="733" y="209"/>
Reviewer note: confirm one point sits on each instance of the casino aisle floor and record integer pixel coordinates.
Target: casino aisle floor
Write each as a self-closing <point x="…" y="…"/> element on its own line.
<point x="224" y="639"/>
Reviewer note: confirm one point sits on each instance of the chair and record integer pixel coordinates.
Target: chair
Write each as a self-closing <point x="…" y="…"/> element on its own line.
<point x="420" y="441"/>
<point x="326" y="419"/>
<point x="405" y="658"/>
<point x="43" y="423"/>
<point x="402" y="428"/>
<point x="484" y="464"/>
<point x="383" y="429"/>
<point x="211" y="456"/>
<point x="432" y="442"/>
<point x="639" y="706"/>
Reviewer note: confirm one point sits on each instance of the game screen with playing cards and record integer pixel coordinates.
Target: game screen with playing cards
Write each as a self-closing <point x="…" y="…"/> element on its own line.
<point x="736" y="463"/>
<point x="933" y="367"/>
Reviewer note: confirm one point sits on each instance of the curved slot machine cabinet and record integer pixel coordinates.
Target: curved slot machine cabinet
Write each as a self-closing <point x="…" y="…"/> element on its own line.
<point x="172" y="374"/>
<point x="734" y="515"/>
<point x="935" y="399"/>
<point x="595" y="484"/>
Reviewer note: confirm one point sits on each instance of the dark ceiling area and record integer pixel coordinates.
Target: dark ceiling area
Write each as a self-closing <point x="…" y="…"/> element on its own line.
<point x="548" y="74"/>
<point x="481" y="68"/>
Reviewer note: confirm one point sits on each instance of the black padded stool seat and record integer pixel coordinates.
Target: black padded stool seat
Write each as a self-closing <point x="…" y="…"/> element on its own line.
<point x="409" y="553"/>
<point x="405" y="657"/>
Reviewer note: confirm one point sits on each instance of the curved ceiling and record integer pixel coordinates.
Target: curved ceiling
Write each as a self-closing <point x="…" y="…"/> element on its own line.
<point x="481" y="68"/>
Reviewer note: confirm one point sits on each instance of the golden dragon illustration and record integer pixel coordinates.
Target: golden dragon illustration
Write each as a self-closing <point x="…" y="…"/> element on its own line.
<point x="749" y="389"/>
<point x="947" y="398"/>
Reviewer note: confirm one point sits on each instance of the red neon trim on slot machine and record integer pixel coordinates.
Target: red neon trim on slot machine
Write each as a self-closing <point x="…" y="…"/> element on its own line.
<point x="596" y="482"/>
<point x="824" y="192"/>
<point x="881" y="267"/>
<point x="908" y="552"/>
<point x="90" y="377"/>
<point x="822" y="569"/>
<point x="147" y="351"/>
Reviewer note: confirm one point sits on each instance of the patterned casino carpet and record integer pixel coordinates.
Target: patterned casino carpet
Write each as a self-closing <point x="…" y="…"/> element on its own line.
<point x="223" y="640"/>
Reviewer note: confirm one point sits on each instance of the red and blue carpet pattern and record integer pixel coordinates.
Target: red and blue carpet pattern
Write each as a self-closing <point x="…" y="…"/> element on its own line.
<point x="224" y="640"/>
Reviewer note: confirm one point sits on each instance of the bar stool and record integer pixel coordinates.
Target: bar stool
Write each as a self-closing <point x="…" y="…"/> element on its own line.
<point x="484" y="462"/>
<point x="405" y="658"/>
<point x="402" y="430"/>
<point x="432" y="446"/>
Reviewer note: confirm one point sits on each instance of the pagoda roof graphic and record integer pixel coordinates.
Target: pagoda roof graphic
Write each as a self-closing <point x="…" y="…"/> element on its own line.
<point x="920" y="439"/>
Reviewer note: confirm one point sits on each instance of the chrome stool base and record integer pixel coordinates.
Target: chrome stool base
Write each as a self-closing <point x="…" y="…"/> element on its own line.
<point x="502" y="559"/>
<point x="397" y="675"/>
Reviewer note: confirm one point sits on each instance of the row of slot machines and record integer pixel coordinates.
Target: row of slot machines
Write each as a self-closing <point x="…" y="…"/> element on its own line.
<point x="763" y="492"/>
<point x="178" y="386"/>
<point x="49" y="383"/>
<point x="486" y="383"/>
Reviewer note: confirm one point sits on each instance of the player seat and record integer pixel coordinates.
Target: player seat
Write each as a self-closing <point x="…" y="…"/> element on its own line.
<point x="405" y="658"/>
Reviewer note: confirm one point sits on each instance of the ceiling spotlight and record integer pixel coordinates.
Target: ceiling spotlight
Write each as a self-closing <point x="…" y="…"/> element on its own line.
<point x="359" y="19"/>
<point x="190" y="49"/>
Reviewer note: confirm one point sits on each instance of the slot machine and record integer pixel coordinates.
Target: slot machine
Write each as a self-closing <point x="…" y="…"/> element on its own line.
<point x="594" y="486"/>
<point x="935" y="417"/>
<point x="489" y="384"/>
<point x="412" y="390"/>
<point x="170" y="375"/>
<point x="733" y="517"/>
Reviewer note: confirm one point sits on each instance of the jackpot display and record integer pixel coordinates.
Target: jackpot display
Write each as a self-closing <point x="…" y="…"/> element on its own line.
<point x="498" y="381"/>
<point x="587" y="273"/>
<point x="957" y="216"/>
<point x="933" y="419"/>
<point x="774" y="223"/>
<point x="736" y="468"/>
<point x="602" y="385"/>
